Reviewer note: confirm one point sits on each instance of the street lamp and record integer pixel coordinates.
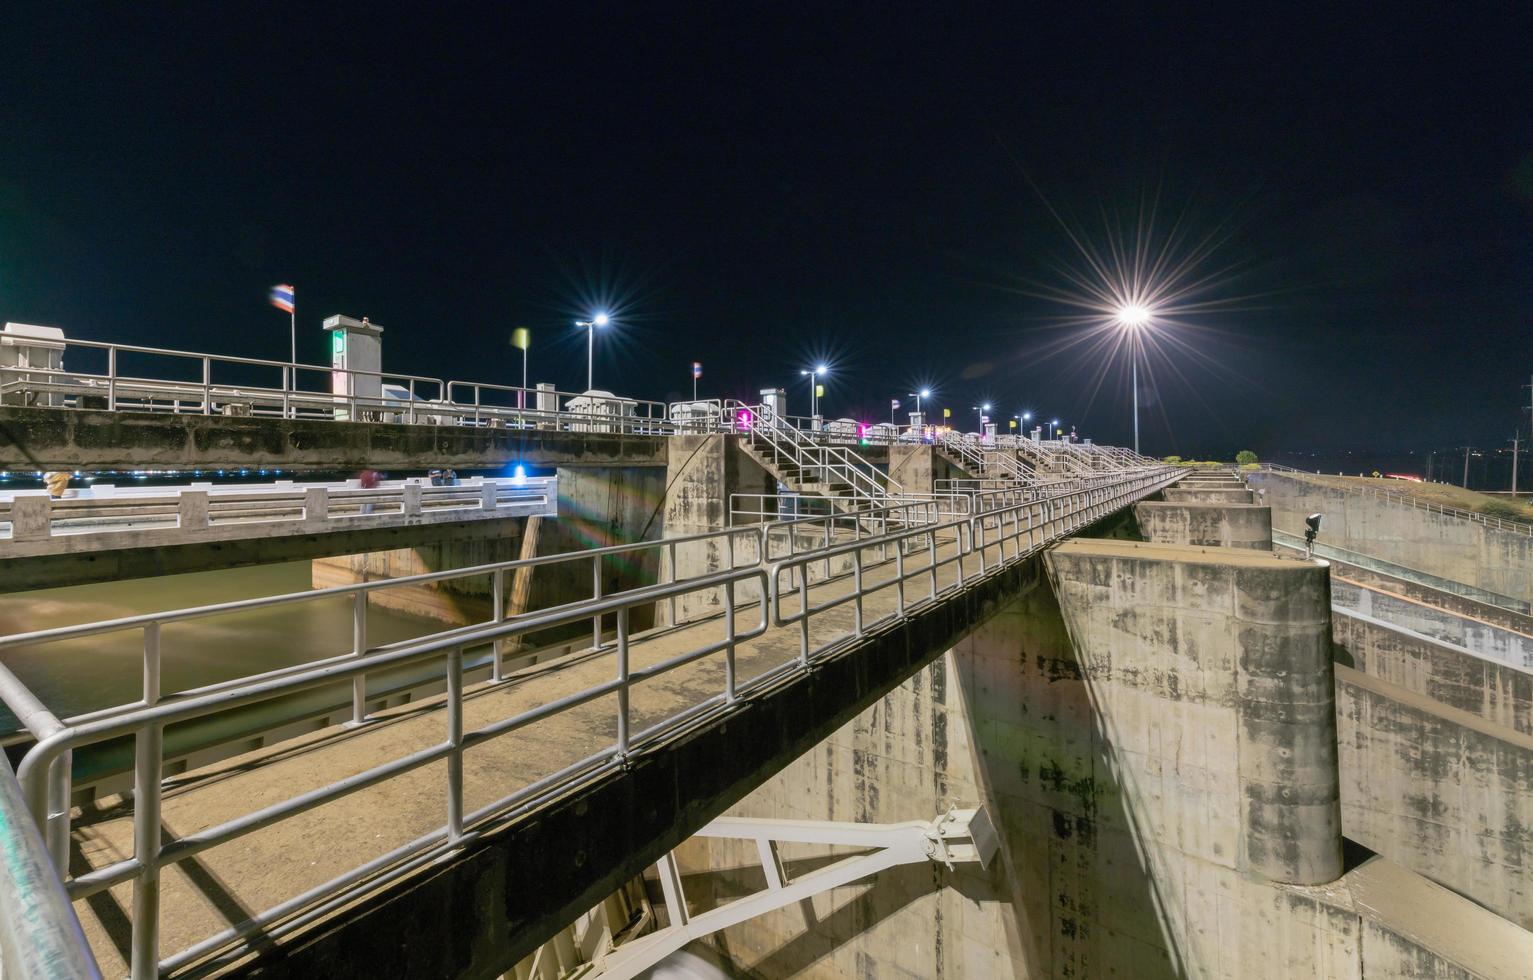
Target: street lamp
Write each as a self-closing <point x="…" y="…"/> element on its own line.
<point x="1134" y="318"/>
<point x="984" y="412"/>
<point x="599" y="320"/>
<point x="1054" y="428"/>
<point x="918" y="395"/>
<point x="814" y="377"/>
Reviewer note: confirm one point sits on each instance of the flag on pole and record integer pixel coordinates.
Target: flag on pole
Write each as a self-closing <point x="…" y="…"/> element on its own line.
<point x="521" y="338"/>
<point x="894" y="404"/>
<point x="947" y="413"/>
<point x="282" y="298"/>
<point x="697" y="370"/>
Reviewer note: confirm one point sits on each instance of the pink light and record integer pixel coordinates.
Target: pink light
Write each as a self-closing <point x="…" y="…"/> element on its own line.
<point x="743" y="418"/>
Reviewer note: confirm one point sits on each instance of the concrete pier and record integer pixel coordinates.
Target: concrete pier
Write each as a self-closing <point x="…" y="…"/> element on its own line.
<point x="1210" y="525"/>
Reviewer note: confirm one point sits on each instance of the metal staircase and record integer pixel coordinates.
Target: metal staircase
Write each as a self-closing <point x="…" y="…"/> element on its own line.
<point x="836" y="473"/>
<point x="988" y="463"/>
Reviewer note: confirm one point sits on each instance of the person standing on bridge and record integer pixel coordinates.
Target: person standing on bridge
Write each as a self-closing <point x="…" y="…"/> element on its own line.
<point x="368" y="480"/>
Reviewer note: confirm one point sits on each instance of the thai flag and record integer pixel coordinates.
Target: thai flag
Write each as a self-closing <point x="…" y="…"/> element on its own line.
<point x="697" y="370"/>
<point x="282" y="298"/>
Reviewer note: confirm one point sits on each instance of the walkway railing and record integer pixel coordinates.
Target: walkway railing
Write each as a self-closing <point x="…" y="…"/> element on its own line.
<point x="1408" y="500"/>
<point x="753" y="590"/>
<point x="194" y="383"/>
<point x="832" y="467"/>
<point x="175" y="515"/>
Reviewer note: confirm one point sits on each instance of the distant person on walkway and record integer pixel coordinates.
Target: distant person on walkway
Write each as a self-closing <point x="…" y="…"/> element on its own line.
<point x="368" y="480"/>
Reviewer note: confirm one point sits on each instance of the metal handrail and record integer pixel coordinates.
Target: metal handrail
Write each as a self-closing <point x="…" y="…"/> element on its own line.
<point x="40" y="935"/>
<point x="831" y="463"/>
<point x="1410" y="500"/>
<point x="998" y="535"/>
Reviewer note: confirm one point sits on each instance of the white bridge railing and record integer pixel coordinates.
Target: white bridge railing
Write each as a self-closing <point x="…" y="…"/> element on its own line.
<point x="31" y="522"/>
<point x="760" y="576"/>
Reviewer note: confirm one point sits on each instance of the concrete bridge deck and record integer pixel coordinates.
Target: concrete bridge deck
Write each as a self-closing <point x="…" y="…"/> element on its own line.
<point x="742" y="692"/>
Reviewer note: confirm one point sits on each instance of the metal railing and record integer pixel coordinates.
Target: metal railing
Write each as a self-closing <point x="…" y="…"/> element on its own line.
<point x="810" y="461"/>
<point x="1408" y="500"/>
<point x="202" y="384"/>
<point x="775" y="587"/>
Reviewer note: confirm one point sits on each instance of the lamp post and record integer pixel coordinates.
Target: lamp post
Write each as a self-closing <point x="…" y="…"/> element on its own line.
<point x="1054" y="429"/>
<point x="599" y="320"/>
<point x="984" y="412"/>
<point x="1134" y="318"/>
<point x="814" y="377"/>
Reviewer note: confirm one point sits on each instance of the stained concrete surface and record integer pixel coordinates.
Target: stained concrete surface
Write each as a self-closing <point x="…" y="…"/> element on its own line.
<point x="1437" y="790"/>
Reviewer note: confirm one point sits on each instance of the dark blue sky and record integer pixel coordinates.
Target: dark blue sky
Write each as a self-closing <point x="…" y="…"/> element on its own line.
<point x="757" y="188"/>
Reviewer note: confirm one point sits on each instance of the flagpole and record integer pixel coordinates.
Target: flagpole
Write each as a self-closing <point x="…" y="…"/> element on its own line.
<point x="292" y="325"/>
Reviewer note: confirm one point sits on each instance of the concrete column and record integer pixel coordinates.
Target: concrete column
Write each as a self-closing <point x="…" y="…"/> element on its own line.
<point x="1206" y="525"/>
<point x="703" y="474"/>
<point x="487" y="496"/>
<point x="31" y="517"/>
<point x="1198" y="495"/>
<point x="192" y="510"/>
<point x="316" y="505"/>
<point x="1231" y="650"/>
<point x="412" y="498"/>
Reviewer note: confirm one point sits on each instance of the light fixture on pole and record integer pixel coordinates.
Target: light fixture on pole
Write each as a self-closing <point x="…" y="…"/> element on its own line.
<point x="918" y="395"/>
<point x="984" y="416"/>
<point x="814" y="377"/>
<point x="1134" y="318"/>
<point x="599" y="320"/>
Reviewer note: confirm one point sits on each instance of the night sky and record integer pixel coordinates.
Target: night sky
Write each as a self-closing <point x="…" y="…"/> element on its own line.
<point x="760" y="191"/>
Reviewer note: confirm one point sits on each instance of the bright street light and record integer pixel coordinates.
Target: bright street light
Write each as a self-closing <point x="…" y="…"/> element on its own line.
<point x="814" y="388"/>
<point x="599" y="320"/>
<point x="1134" y="318"/>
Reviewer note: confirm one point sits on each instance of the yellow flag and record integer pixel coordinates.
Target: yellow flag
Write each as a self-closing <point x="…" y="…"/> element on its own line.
<point x="819" y="391"/>
<point x="1012" y="424"/>
<point x="947" y="413"/>
<point x="521" y="338"/>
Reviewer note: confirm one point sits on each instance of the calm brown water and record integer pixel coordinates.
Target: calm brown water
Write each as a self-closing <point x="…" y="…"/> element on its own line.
<point x="104" y="670"/>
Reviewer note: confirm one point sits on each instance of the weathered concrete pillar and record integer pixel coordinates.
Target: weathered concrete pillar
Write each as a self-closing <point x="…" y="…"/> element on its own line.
<point x="31" y="517"/>
<point x="1233" y="648"/>
<point x="1206" y="525"/>
<point x="192" y="510"/>
<point x="1198" y="495"/>
<point x="704" y="473"/>
<point x="917" y="467"/>
<point x="316" y="506"/>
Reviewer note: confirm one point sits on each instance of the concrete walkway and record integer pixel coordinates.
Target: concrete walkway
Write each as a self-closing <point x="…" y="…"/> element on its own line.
<point x="227" y="884"/>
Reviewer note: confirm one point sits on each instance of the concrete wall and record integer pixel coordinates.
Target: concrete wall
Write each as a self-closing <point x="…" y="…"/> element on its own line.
<point x="1186" y="493"/>
<point x="916" y="468"/>
<point x="64" y="438"/>
<point x="1116" y="859"/>
<point x="1449" y="675"/>
<point x="598" y="506"/>
<point x="1452" y="547"/>
<point x="1463" y="605"/>
<point x="704" y="472"/>
<point x="1243" y="641"/>
<point x="1488" y="640"/>
<point x="456" y="601"/>
<point x="1439" y="791"/>
<point x="1206" y="525"/>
